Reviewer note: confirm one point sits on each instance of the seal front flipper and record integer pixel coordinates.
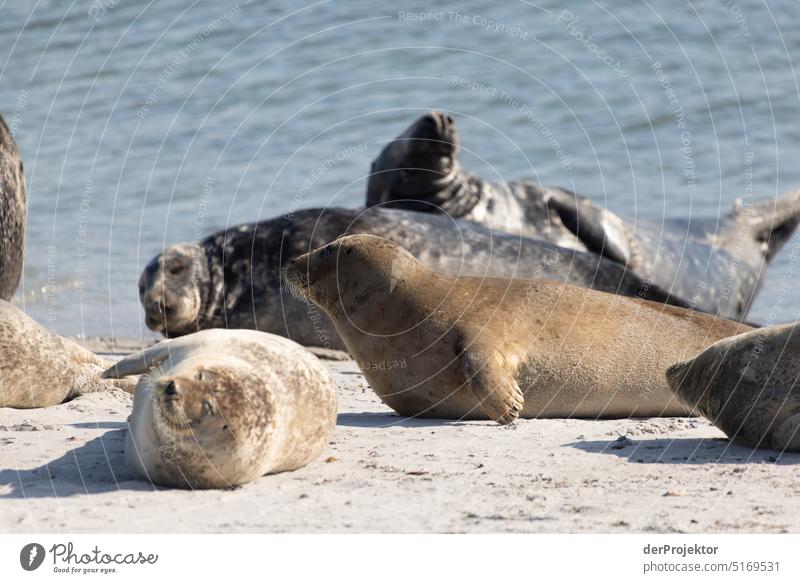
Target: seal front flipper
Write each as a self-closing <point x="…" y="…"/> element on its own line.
<point x="786" y="437"/>
<point x="492" y="382"/>
<point x="139" y="362"/>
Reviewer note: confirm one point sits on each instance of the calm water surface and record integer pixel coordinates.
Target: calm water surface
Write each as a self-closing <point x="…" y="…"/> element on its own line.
<point x="146" y="124"/>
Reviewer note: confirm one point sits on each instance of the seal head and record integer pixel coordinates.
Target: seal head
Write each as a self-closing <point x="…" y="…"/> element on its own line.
<point x="746" y="385"/>
<point x="208" y="417"/>
<point x="316" y="276"/>
<point x="174" y="289"/>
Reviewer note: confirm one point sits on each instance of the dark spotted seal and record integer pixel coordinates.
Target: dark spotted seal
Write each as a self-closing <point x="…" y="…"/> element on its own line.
<point x="495" y="347"/>
<point x="716" y="264"/>
<point x="232" y="279"/>
<point x="13" y="212"/>
<point x="747" y="385"/>
<point x="220" y="408"/>
<point x="39" y="368"/>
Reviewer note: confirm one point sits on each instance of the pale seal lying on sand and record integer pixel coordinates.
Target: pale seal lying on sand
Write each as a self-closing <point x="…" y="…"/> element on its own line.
<point x="232" y="279"/>
<point x="221" y="408"/>
<point x="432" y="345"/>
<point x="747" y="385"/>
<point x="714" y="263"/>
<point x="13" y="212"/>
<point x="39" y="368"/>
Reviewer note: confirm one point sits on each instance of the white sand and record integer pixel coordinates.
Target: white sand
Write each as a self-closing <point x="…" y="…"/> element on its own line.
<point x="62" y="470"/>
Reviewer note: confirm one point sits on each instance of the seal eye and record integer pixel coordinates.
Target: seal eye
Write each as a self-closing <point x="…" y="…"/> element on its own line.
<point x="203" y="375"/>
<point x="176" y="268"/>
<point x="325" y="252"/>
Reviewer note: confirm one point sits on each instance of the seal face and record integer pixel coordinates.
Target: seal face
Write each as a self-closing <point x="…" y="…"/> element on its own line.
<point x="713" y="263"/>
<point x="747" y="386"/>
<point x="497" y="348"/>
<point x="232" y="279"/>
<point x="171" y="289"/>
<point x="220" y="408"/>
<point x="40" y="369"/>
<point x="13" y="213"/>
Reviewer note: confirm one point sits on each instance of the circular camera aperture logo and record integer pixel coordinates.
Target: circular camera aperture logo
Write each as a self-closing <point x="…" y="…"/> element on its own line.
<point x="31" y="556"/>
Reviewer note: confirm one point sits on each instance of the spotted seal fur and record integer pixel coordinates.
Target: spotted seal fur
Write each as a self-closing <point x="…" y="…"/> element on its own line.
<point x="13" y="213"/>
<point x="716" y="264"/>
<point x="39" y="368"/>
<point x="232" y="279"/>
<point x="220" y="408"/>
<point x="747" y="385"/>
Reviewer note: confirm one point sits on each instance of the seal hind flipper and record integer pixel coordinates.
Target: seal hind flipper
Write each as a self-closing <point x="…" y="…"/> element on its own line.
<point x="772" y="221"/>
<point x="786" y="437"/>
<point x="493" y="385"/>
<point x="586" y="221"/>
<point x="139" y="362"/>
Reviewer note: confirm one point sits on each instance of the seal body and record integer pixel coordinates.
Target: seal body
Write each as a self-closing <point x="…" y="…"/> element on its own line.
<point x="714" y="263"/>
<point x="220" y="408"/>
<point x="232" y="279"/>
<point x="39" y="368"/>
<point x="747" y="385"/>
<point x="477" y="348"/>
<point x="13" y="213"/>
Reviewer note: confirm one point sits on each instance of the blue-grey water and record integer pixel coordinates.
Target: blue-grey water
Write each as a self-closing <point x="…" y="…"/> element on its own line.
<point x="143" y="124"/>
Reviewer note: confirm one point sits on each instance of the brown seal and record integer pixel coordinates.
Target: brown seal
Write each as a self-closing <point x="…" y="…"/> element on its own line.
<point x="220" y="408"/>
<point x="472" y="348"/>
<point x="39" y="368"/>
<point x="747" y="386"/>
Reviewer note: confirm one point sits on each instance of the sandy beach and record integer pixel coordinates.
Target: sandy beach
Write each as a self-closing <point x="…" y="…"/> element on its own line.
<point x="63" y="471"/>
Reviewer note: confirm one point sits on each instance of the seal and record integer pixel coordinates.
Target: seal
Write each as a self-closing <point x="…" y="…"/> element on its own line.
<point x="232" y="279"/>
<point x="477" y="348"/>
<point x="746" y="385"/>
<point x="715" y="263"/>
<point x="220" y="408"/>
<point x="13" y="213"/>
<point x="41" y="369"/>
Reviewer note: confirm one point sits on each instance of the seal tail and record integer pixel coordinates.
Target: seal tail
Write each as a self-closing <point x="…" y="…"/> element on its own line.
<point x="772" y="221"/>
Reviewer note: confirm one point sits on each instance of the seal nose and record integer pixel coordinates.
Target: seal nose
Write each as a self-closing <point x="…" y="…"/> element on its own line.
<point x="161" y="306"/>
<point x="171" y="390"/>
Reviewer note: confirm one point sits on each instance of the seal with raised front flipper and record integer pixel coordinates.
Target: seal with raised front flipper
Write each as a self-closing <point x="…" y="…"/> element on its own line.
<point x="220" y="408"/>
<point x="477" y="348"/>
<point x="13" y="212"/>
<point x="747" y="385"/>
<point x="39" y="368"/>
<point x="715" y="263"/>
<point x="232" y="279"/>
